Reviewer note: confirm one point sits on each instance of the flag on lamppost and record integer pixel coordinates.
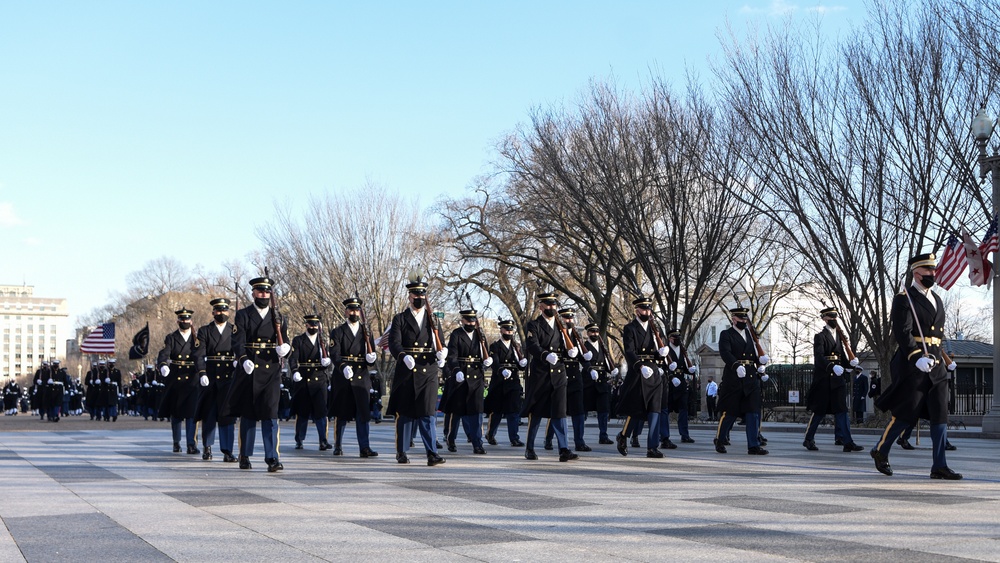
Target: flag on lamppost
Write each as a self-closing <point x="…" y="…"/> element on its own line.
<point x="952" y="263"/>
<point x="979" y="266"/>
<point x="140" y="344"/>
<point x="990" y="243"/>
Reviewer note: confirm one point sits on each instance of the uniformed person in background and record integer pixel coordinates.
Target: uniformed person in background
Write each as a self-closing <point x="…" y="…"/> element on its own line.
<point x="919" y="387"/>
<point x="353" y="356"/>
<point x="113" y="390"/>
<point x="740" y="391"/>
<point x="40" y="390"/>
<point x="504" y="396"/>
<point x="828" y="392"/>
<point x="467" y="365"/>
<point x="597" y="394"/>
<point x="308" y="363"/>
<point x="91" y="393"/>
<point x="576" y="368"/>
<point x="176" y="362"/>
<point x="215" y="375"/>
<point x="642" y="396"/>
<point x="413" y="399"/>
<point x="11" y="397"/>
<point x="676" y="381"/>
<point x="257" y="385"/>
<point x="545" y="396"/>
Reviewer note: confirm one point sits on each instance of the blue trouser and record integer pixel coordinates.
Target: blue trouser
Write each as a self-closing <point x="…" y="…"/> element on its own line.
<point x="226" y="431"/>
<point x="190" y="426"/>
<point x="360" y="429"/>
<point x="405" y="428"/>
<point x="268" y="432"/>
<point x="54" y="412"/>
<point x="107" y="412"/>
<point x="752" y="427"/>
<point x="842" y="427"/>
<point x="602" y="425"/>
<point x="682" y="424"/>
<point x="578" y="421"/>
<point x="513" y="421"/>
<point x="939" y="439"/>
<point x="473" y="425"/>
<point x="558" y="426"/>
<point x="633" y="426"/>
<point x="451" y="423"/>
<point x="302" y="426"/>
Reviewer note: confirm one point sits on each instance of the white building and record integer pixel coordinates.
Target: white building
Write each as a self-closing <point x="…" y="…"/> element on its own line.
<point x="34" y="329"/>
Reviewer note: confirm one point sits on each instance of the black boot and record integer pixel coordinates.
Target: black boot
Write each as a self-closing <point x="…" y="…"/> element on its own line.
<point x="208" y="453"/>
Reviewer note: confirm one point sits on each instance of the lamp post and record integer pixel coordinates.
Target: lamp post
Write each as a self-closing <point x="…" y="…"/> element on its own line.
<point x="982" y="130"/>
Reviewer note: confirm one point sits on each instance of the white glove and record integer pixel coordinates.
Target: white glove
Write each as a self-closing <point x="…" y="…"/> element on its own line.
<point x="296" y="377"/>
<point x="441" y="354"/>
<point x="764" y="359"/>
<point x="325" y="362"/>
<point x="107" y="380"/>
<point x="329" y="387"/>
<point x="855" y="362"/>
<point x="838" y="370"/>
<point x="459" y="376"/>
<point x="440" y="363"/>
<point x="552" y="358"/>
<point x="952" y="366"/>
<point x="588" y="355"/>
<point x="281" y="386"/>
<point x="409" y="362"/>
<point x="672" y="366"/>
<point x="572" y="352"/>
<point x="593" y="374"/>
<point x="234" y="363"/>
<point x="248" y="366"/>
<point x="146" y="385"/>
<point x="204" y="381"/>
<point x="741" y="372"/>
<point x="676" y="382"/>
<point x="660" y="370"/>
<point x="348" y="372"/>
<point x="646" y="371"/>
<point x="49" y="381"/>
<point x="505" y="373"/>
<point x="488" y="362"/>
<point x="760" y="369"/>
<point x="924" y="364"/>
<point x="164" y="371"/>
<point x="614" y="372"/>
<point x="283" y="349"/>
<point x="370" y="357"/>
<point x="522" y="362"/>
<point x="663" y="351"/>
<point x="693" y="369"/>
<point x="765" y="377"/>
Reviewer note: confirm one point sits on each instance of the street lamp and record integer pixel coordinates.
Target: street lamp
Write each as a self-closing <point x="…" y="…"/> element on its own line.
<point x="982" y="130"/>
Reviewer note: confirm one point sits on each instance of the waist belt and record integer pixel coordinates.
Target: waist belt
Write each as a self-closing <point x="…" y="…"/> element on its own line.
<point x="181" y="364"/>
<point x="353" y="359"/>
<point x="223" y="358"/>
<point x="746" y="363"/>
<point x="419" y="350"/>
<point x="929" y="340"/>
<point x="653" y="357"/>
<point x="513" y="365"/>
<point x="471" y="360"/>
<point x="310" y="365"/>
<point x="832" y="357"/>
<point x="261" y="345"/>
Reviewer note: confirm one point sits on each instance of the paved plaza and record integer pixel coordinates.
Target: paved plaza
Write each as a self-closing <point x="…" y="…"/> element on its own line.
<point x="79" y="492"/>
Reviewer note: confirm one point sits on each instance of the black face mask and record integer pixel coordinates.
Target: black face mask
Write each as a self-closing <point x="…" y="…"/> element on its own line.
<point x="675" y="341"/>
<point x="312" y="329"/>
<point x="353" y="318"/>
<point x="742" y="325"/>
<point x="184" y="325"/>
<point x="832" y="323"/>
<point x="549" y="313"/>
<point x="927" y="281"/>
<point x="644" y="317"/>
<point x="221" y="317"/>
<point x="261" y="302"/>
<point x="594" y="338"/>
<point x="469" y="328"/>
<point x="506" y="336"/>
<point x="418" y="302"/>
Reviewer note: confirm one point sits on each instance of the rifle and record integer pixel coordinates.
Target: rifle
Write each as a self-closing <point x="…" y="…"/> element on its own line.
<point x="483" y="349"/>
<point x="319" y="339"/>
<point x="435" y="326"/>
<point x="756" y="340"/>
<point x="275" y="316"/>
<point x="567" y="341"/>
<point x="847" y="345"/>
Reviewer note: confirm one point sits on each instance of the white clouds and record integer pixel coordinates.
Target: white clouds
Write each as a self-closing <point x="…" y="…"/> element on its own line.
<point x="7" y="216"/>
<point x="780" y="8"/>
<point x="32" y="241"/>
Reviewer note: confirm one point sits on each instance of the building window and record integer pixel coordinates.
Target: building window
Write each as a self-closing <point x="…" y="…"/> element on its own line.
<point x="713" y="335"/>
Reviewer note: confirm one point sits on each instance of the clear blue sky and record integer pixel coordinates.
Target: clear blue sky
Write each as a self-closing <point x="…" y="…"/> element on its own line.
<point x="134" y="130"/>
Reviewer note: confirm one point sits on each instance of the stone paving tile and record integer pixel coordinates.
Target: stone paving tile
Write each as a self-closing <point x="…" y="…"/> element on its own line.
<point x="797" y="546"/>
<point x="770" y="504"/>
<point x="219" y="497"/>
<point x="151" y="456"/>
<point x="437" y="531"/>
<point x="490" y="495"/>
<point x="321" y="479"/>
<point x="78" y="472"/>
<point x="906" y="496"/>
<point x="79" y="537"/>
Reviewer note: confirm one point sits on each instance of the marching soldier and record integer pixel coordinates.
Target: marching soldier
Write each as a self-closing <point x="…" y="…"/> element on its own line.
<point x="504" y="396"/>
<point x="40" y="390"/>
<point x="91" y="394"/>
<point x="112" y="390"/>
<point x="308" y="362"/>
<point x="260" y="341"/>
<point x="545" y="397"/>
<point x="413" y="399"/>
<point x="11" y="397"/>
<point x="677" y="380"/>
<point x="352" y="351"/>
<point x="642" y="396"/>
<point x="214" y="358"/>
<point x="919" y="387"/>
<point x="575" y="370"/>
<point x="828" y="392"/>
<point x="467" y="365"/>
<point x="176" y="361"/>
<point x="55" y="388"/>
<point x="597" y="393"/>
<point x="740" y="391"/>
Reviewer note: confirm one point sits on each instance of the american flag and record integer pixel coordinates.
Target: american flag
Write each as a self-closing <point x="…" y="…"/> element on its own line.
<point x="990" y="243"/>
<point x="101" y="340"/>
<point x="952" y="264"/>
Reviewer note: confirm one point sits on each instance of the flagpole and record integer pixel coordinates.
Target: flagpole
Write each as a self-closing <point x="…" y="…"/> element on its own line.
<point x="982" y="130"/>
